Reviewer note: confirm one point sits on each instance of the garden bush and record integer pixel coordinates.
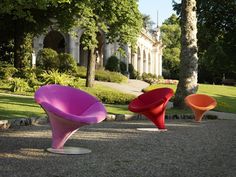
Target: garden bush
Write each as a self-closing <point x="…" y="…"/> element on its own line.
<point x="113" y="64"/>
<point x="19" y="85"/>
<point x="111" y="96"/>
<point x="102" y="75"/>
<point x="55" y="77"/>
<point x="123" y="69"/>
<point x="47" y="59"/>
<point x="149" y="78"/>
<point x="108" y="76"/>
<point x="133" y="74"/>
<point x="81" y="71"/>
<point x="67" y="63"/>
<point x="7" y="71"/>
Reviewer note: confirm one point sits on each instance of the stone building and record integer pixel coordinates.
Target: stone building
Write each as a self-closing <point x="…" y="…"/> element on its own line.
<point x="147" y="58"/>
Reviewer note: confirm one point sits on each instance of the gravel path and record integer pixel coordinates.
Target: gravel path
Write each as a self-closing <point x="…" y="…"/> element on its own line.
<point x="187" y="149"/>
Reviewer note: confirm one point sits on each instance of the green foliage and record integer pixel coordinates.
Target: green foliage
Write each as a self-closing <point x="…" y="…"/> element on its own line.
<point x="6" y="51"/>
<point x="171" y="39"/>
<point x="133" y="74"/>
<point x="66" y="63"/>
<point x="147" y="22"/>
<point x="102" y="75"/>
<point x="111" y="96"/>
<point x="81" y="71"/>
<point x="149" y="78"/>
<point x="113" y="64"/>
<point x="18" y="85"/>
<point x="7" y="71"/>
<point x="109" y="76"/>
<point x="26" y="51"/>
<point x="123" y="66"/>
<point x="216" y="40"/>
<point x="47" y="59"/>
<point x="55" y="77"/>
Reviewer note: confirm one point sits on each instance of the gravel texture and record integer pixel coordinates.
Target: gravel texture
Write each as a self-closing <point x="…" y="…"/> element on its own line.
<point x="187" y="149"/>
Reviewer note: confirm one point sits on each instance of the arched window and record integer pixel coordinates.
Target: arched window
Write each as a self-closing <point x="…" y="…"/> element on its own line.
<point x="54" y="40"/>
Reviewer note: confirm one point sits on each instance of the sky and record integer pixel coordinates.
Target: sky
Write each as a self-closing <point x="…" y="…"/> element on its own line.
<point x="150" y="7"/>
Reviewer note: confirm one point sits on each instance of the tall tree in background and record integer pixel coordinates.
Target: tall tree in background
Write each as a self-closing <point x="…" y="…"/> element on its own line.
<point x="216" y="40"/>
<point x="120" y="20"/>
<point x="188" y="56"/>
<point x="147" y="22"/>
<point x="20" y="19"/>
<point x="171" y="32"/>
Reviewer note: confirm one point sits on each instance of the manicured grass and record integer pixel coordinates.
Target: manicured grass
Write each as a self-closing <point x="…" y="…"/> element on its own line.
<point x="225" y="95"/>
<point x="12" y="107"/>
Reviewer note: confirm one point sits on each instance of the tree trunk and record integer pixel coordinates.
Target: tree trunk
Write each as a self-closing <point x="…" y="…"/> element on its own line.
<point x="90" y="75"/>
<point x="18" y="57"/>
<point x="188" y="56"/>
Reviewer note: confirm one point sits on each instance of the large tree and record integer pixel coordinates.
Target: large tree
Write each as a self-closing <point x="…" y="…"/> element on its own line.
<point x="188" y="56"/>
<point x="19" y="18"/>
<point x="171" y="32"/>
<point x="120" y="20"/>
<point x="216" y="39"/>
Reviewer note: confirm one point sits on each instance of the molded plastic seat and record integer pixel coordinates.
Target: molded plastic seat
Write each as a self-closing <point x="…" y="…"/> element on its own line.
<point x="68" y="109"/>
<point x="200" y="103"/>
<point x="153" y="104"/>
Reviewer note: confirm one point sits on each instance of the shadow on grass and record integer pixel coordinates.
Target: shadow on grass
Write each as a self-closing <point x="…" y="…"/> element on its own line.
<point x="18" y="107"/>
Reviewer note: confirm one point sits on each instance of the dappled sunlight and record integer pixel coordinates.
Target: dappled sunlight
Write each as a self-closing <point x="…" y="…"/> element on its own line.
<point x="183" y="125"/>
<point x="27" y="134"/>
<point x="25" y="154"/>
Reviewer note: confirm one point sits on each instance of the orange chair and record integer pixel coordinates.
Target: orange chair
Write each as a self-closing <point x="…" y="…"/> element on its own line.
<point x="200" y="103"/>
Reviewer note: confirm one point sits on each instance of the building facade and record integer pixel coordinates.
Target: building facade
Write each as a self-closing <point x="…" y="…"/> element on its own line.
<point x="147" y="58"/>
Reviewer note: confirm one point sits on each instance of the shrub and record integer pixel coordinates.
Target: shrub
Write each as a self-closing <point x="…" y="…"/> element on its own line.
<point x="55" y="77"/>
<point x="7" y="71"/>
<point x="149" y="78"/>
<point x="123" y="69"/>
<point x="18" y="85"/>
<point x="47" y="59"/>
<point x="113" y="64"/>
<point x="102" y="75"/>
<point x="111" y="97"/>
<point x="81" y="71"/>
<point x="133" y="74"/>
<point x="66" y="63"/>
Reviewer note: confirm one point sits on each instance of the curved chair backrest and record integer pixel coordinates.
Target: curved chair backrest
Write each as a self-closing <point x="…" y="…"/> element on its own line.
<point x="152" y="104"/>
<point x="65" y="98"/>
<point x="155" y="95"/>
<point x="201" y="101"/>
<point x="68" y="109"/>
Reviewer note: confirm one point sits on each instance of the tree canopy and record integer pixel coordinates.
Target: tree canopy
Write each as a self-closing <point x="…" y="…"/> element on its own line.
<point x="170" y="31"/>
<point x="120" y="20"/>
<point x="216" y="39"/>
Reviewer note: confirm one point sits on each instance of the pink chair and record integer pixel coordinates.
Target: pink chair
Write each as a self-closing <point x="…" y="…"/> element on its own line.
<point x="68" y="109"/>
<point x="153" y="104"/>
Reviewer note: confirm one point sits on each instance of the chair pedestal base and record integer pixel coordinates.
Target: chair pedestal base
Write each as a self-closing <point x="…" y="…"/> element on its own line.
<point x="70" y="150"/>
<point x="152" y="129"/>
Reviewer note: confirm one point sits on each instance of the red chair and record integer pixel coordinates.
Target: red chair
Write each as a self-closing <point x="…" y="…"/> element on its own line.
<point x="200" y="103"/>
<point x="153" y="104"/>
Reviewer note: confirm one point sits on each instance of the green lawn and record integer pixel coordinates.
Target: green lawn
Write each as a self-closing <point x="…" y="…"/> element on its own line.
<point x="12" y="107"/>
<point x="225" y="95"/>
